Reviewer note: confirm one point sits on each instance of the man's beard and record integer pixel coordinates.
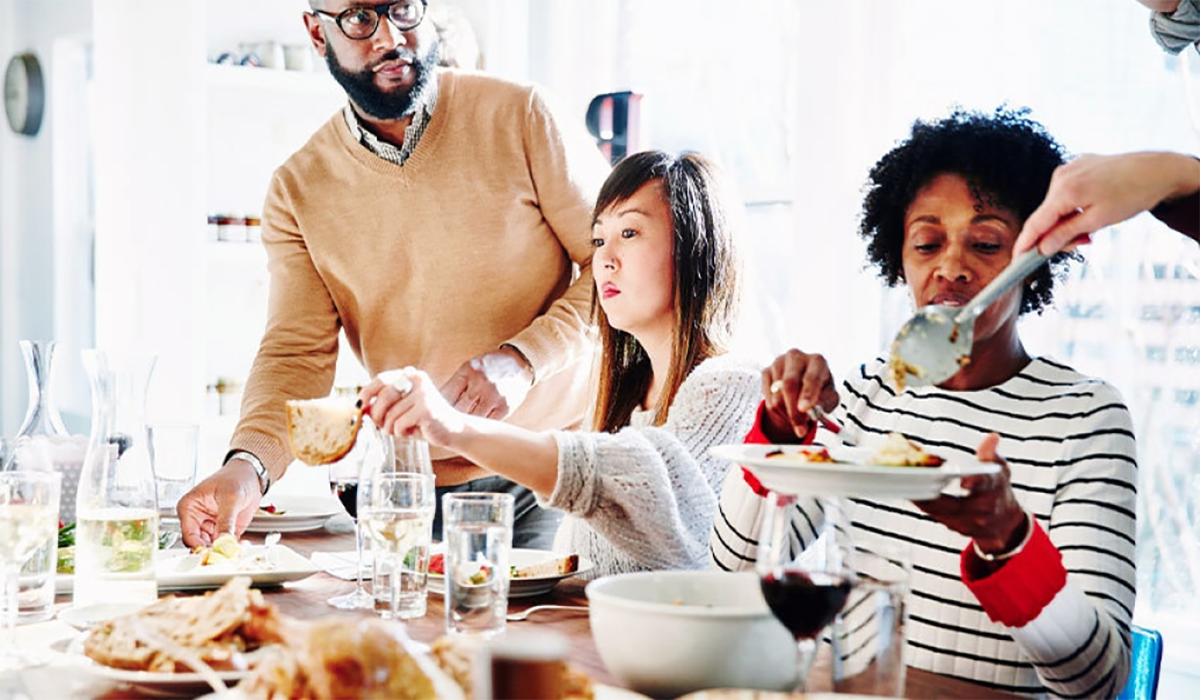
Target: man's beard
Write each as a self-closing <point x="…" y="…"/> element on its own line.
<point x="380" y="104"/>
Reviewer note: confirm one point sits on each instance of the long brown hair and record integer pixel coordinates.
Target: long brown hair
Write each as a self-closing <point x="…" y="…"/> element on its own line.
<point x="706" y="288"/>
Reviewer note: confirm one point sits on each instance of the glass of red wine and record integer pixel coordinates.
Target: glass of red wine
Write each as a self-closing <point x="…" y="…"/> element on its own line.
<point x="372" y="453"/>
<point x="805" y="583"/>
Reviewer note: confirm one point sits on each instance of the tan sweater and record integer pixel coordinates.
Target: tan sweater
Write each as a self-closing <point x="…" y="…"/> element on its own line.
<point x="468" y="245"/>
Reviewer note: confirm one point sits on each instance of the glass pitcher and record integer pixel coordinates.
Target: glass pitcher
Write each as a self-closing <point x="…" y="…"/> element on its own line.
<point x="117" y="512"/>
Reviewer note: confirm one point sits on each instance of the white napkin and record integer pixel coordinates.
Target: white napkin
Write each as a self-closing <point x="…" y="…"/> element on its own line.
<point x="342" y="564"/>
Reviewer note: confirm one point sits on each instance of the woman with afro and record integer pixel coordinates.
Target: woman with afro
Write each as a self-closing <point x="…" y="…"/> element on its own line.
<point x="1024" y="581"/>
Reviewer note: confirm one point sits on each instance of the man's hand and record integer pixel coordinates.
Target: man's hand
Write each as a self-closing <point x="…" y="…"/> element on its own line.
<point x="224" y="502"/>
<point x="793" y="384"/>
<point x="492" y="385"/>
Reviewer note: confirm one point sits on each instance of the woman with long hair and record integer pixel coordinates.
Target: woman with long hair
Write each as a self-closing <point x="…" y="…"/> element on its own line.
<point x="639" y="489"/>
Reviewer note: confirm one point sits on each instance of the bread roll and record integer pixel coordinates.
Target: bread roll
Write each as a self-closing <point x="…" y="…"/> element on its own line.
<point x="322" y="431"/>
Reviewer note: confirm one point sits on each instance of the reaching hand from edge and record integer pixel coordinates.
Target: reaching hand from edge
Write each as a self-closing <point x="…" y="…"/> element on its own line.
<point x="1092" y="192"/>
<point x="224" y="502"/>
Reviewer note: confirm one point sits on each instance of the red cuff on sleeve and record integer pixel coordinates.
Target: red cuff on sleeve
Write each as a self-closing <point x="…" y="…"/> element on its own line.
<point x="1016" y="593"/>
<point x="757" y="436"/>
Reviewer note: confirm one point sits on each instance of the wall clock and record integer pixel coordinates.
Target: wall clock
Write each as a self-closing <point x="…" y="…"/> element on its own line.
<point x="24" y="94"/>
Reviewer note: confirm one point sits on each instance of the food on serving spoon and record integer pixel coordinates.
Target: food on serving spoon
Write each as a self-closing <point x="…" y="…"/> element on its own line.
<point x="322" y="431"/>
<point x="219" y="628"/>
<point x="899" y="451"/>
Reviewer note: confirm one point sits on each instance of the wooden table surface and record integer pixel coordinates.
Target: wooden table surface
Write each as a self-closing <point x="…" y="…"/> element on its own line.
<point x="306" y="599"/>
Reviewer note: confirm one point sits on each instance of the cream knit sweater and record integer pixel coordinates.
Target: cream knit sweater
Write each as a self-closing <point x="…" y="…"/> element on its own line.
<point x="478" y="239"/>
<point x="645" y="497"/>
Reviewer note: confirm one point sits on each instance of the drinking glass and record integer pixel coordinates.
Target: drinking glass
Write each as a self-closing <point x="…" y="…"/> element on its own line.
<point x="396" y="510"/>
<point x="479" y="529"/>
<point x="28" y="518"/>
<point x="174" y="450"/>
<point x="371" y="454"/>
<point x="805" y="588"/>
<point x="868" y="638"/>
<point x="411" y="457"/>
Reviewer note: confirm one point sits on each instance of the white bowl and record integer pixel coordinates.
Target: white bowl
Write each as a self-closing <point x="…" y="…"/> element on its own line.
<point x="667" y="633"/>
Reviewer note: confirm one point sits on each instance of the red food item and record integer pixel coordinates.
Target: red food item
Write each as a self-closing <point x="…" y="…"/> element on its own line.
<point x="437" y="564"/>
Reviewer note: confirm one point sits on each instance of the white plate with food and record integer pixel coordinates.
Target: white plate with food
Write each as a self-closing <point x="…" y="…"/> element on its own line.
<point x="850" y="471"/>
<point x="534" y="571"/>
<point x="150" y="683"/>
<point x="181" y="570"/>
<point x="296" y="514"/>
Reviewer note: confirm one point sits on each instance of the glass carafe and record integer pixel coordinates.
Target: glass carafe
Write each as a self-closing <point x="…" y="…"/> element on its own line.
<point x="117" y="531"/>
<point x="43" y="442"/>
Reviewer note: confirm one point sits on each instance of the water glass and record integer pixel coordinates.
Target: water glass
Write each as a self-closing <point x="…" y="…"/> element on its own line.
<point x="868" y="639"/>
<point x="174" y="449"/>
<point x="479" y="530"/>
<point x="28" y="519"/>
<point x="396" y="511"/>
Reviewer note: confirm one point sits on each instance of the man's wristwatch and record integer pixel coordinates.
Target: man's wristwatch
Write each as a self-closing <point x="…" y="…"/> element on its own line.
<point x="264" y="476"/>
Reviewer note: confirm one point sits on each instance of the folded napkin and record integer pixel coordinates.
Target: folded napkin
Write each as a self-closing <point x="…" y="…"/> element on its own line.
<point x="343" y="565"/>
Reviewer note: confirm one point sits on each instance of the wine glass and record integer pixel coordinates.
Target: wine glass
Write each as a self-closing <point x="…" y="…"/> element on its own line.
<point x="805" y="588"/>
<point x="28" y="520"/>
<point x="372" y="453"/>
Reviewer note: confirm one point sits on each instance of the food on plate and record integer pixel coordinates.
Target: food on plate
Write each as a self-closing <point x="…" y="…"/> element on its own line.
<point x="558" y="565"/>
<point x="899" y="451"/>
<point x="322" y="431"/>
<point x="456" y="656"/>
<point x="818" y="456"/>
<point x="270" y="510"/>
<point x="554" y="566"/>
<point x="225" y="548"/>
<point x="220" y="629"/>
<point x="347" y="658"/>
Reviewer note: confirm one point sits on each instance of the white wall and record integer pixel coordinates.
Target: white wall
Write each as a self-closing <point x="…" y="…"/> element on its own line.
<point x="26" y="201"/>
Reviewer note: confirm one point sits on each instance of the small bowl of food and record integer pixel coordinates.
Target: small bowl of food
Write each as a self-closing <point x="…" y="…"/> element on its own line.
<point x="668" y="633"/>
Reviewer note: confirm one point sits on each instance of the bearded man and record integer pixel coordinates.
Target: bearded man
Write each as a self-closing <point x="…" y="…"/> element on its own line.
<point x="442" y="219"/>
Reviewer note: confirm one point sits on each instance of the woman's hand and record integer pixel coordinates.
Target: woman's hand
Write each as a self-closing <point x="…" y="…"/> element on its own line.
<point x="418" y="408"/>
<point x="989" y="513"/>
<point x="793" y="384"/>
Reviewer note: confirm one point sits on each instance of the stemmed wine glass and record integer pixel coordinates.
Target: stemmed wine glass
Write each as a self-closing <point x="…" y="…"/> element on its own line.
<point x="372" y="453"/>
<point x="28" y="521"/>
<point x="805" y="588"/>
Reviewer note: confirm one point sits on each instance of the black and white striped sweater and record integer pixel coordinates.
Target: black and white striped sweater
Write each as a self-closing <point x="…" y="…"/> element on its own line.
<point x="1069" y="443"/>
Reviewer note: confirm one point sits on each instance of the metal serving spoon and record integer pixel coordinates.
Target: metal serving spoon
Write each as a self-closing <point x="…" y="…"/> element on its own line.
<point x="936" y="342"/>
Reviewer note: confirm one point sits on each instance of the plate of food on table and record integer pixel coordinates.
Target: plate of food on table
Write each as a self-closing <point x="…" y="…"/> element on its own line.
<point x="202" y="568"/>
<point x="532" y="572"/>
<point x="235" y="645"/>
<point x="895" y="467"/>
<point x="293" y="514"/>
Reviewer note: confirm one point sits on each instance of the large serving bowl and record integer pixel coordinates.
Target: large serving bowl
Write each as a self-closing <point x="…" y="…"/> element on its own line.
<point x="667" y="633"/>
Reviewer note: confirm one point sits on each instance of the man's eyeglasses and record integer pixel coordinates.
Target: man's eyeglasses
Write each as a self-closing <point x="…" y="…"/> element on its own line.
<point x="361" y="22"/>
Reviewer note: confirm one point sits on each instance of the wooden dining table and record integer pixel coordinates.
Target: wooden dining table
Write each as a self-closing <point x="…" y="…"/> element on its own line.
<point x="307" y="599"/>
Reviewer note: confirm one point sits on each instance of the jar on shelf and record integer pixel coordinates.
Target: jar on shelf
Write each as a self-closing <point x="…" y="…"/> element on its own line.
<point x="229" y="396"/>
<point x="254" y="229"/>
<point x="231" y="228"/>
